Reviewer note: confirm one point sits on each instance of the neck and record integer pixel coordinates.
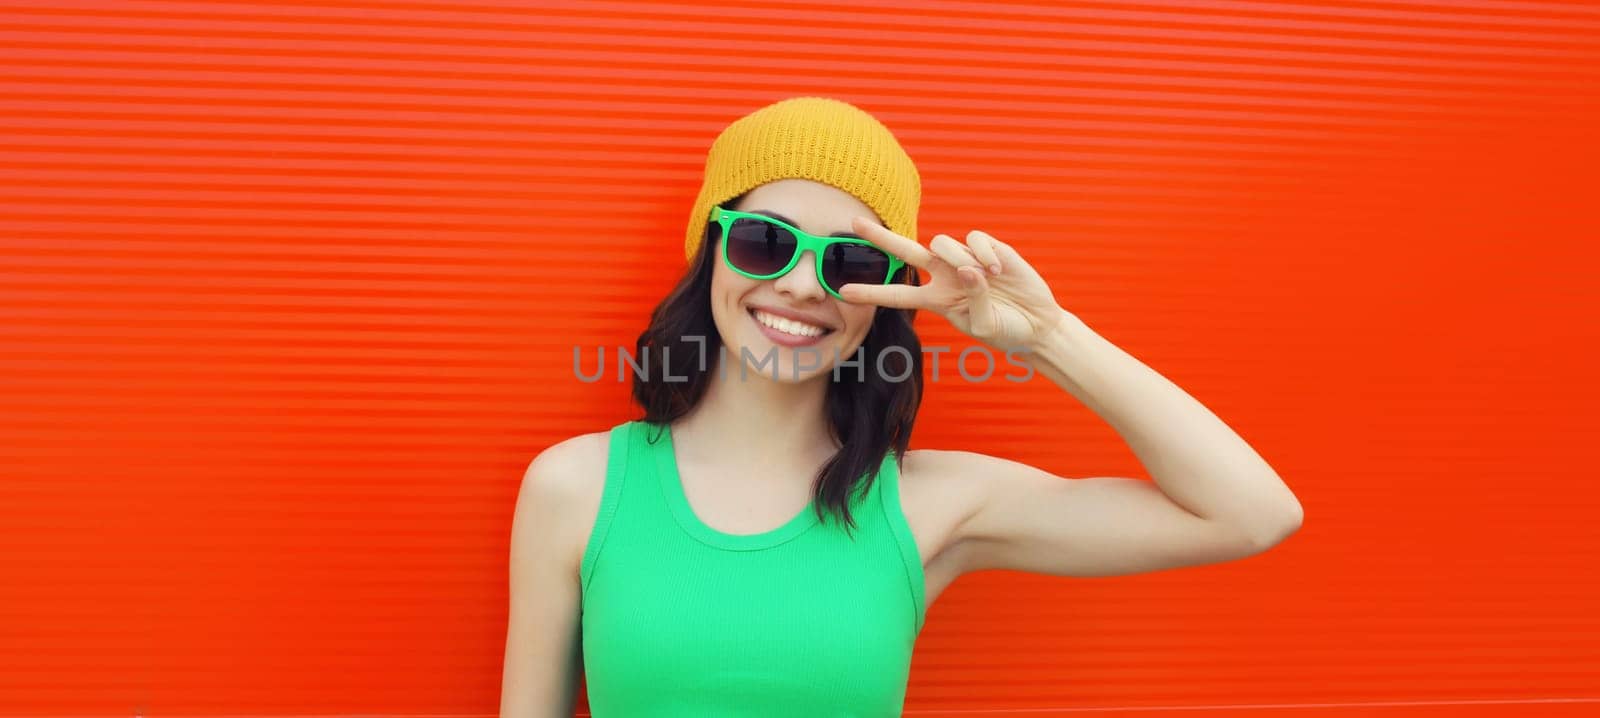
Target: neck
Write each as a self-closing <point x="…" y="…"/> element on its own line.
<point x="748" y="419"/>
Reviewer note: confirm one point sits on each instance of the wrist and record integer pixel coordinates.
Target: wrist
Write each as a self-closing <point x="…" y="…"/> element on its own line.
<point x="1059" y="328"/>
<point x="1059" y="346"/>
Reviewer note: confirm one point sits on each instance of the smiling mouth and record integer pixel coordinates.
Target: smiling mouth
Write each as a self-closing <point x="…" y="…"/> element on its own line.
<point x="788" y="326"/>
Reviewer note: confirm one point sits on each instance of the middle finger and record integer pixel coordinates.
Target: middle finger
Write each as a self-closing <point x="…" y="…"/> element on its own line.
<point x="913" y="253"/>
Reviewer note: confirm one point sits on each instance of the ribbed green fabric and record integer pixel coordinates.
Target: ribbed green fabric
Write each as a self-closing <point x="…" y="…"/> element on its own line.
<point x="680" y="619"/>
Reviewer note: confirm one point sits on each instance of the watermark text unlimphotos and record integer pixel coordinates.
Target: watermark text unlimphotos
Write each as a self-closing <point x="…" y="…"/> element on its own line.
<point x="806" y="359"/>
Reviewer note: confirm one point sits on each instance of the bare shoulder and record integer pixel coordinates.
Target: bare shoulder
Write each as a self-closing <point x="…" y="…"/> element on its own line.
<point x="564" y="483"/>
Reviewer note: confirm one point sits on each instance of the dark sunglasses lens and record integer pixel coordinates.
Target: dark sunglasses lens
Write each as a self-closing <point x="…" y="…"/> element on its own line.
<point x="759" y="247"/>
<point x="854" y="263"/>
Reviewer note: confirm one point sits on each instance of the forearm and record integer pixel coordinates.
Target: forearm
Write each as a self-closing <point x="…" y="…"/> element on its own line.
<point x="1196" y="459"/>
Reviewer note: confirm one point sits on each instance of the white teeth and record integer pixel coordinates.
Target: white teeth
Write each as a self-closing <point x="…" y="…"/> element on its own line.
<point x="788" y="326"/>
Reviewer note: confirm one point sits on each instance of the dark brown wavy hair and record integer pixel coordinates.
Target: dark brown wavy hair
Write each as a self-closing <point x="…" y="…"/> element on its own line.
<point x="868" y="414"/>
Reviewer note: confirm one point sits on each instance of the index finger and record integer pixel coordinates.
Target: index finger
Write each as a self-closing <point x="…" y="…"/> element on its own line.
<point x="912" y="252"/>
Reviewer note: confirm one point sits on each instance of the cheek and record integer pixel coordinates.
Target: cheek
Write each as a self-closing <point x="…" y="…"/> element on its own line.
<point x="859" y="318"/>
<point x="726" y="290"/>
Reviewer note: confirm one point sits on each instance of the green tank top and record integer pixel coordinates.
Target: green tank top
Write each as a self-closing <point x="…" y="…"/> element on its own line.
<point x="681" y="619"/>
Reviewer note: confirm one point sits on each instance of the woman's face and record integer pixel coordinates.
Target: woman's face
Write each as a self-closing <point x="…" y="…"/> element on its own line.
<point x="774" y="316"/>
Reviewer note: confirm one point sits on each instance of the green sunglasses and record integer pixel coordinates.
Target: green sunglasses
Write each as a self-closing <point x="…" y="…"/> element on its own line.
<point x="760" y="247"/>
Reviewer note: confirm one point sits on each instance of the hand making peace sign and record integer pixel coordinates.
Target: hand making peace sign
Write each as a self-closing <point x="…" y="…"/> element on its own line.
<point x="1008" y="306"/>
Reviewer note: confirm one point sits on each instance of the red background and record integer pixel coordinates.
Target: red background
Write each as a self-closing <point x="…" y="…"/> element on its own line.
<point x="289" y="295"/>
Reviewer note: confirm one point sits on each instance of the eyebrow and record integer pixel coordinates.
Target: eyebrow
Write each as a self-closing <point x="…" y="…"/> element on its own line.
<point x="791" y="222"/>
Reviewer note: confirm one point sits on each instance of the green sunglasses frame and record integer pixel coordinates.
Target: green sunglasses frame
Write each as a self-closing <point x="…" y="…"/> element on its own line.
<point x="726" y="217"/>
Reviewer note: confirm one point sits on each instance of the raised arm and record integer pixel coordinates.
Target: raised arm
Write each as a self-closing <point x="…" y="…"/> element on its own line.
<point x="1213" y="497"/>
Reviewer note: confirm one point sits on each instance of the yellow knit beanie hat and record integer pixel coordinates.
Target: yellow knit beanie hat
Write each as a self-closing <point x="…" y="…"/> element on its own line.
<point x="815" y="138"/>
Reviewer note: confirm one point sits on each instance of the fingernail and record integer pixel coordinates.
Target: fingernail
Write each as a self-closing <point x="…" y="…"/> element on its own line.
<point x="994" y="269"/>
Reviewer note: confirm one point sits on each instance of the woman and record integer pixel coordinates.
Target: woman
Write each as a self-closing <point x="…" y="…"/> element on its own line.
<point x="761" y="542"/>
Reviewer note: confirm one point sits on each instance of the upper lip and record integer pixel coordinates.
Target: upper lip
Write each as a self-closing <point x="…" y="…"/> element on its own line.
<point x="797" y="316"/>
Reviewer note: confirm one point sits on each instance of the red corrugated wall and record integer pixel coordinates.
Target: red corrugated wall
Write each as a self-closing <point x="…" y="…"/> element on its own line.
<point x="289" y="294"/>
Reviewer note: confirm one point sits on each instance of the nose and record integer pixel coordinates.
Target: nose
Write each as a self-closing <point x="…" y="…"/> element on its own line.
<point x="801" y="282"/>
